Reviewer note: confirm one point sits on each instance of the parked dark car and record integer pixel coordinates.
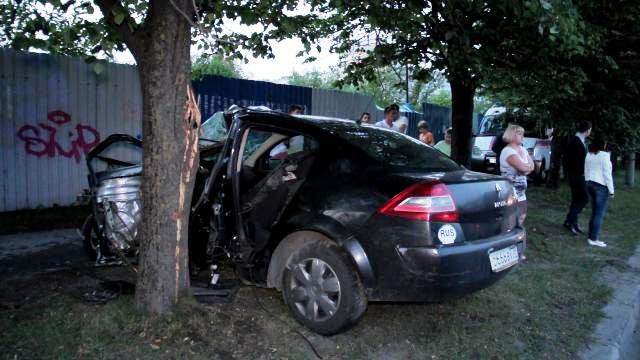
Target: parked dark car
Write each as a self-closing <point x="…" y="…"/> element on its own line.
<point x="335" y="214"/>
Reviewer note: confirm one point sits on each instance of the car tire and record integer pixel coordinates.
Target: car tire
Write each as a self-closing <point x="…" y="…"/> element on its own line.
<point x="322" y="288"/>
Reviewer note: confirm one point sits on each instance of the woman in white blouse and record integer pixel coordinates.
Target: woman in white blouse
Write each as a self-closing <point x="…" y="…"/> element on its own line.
<point x="597" y="175"/>
<point x="516" y="164"/>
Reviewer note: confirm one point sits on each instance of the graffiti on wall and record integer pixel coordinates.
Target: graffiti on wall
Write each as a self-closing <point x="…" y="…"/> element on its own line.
<point x="48" y="139"/>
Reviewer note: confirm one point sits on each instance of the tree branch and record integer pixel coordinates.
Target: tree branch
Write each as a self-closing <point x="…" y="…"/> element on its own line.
<point x="184" y="14"/>
<point x="130" y="38"/>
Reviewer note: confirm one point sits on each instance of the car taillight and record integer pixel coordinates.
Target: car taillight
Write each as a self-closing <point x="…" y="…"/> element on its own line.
<point x="426" y="201"/>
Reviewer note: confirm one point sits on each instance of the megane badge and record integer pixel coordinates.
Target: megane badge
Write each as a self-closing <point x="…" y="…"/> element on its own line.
<point x="498" y="188"/>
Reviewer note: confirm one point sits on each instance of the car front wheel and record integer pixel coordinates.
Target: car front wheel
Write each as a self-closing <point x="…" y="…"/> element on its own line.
<point x="322" y="289"/>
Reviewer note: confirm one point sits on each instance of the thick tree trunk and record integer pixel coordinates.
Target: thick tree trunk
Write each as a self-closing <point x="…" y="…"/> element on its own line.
<point x="462" y="92"/>
<point x="170" y="126"/>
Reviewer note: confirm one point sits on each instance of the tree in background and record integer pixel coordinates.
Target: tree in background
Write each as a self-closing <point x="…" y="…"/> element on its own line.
<point x="215" y="65"/>
<point x="464" y="40"/>
<point x="159" y="34"/>
<point x="601" y="83"/>
<point x="385" y="88"/>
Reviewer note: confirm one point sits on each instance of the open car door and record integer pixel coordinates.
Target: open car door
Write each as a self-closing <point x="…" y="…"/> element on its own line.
<point x="267" y="168"/>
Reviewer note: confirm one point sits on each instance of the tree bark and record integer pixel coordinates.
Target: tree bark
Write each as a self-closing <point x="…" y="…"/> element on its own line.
<point x="462" y="92"/>
<point x="170" y="126"/>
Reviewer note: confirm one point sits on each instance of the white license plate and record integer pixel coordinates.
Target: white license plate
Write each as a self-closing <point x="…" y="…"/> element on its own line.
<point x="492" y="160"/>
<point x="503" y="259"/>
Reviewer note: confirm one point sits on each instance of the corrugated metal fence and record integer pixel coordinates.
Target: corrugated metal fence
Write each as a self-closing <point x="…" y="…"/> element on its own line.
<point x="439" y="119"/>
<point x="217" y="93"/>
<point x="54" y="109"/>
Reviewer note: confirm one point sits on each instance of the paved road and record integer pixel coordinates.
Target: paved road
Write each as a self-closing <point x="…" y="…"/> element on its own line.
<point x="617" y="336"/>
<point x="27" y="253"/>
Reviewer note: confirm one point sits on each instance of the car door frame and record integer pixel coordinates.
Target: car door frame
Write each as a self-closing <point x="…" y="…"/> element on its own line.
<point x="241" y="245"/>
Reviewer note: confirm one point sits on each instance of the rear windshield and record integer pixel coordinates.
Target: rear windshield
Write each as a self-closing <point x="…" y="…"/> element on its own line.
<point x="398" y="150"/>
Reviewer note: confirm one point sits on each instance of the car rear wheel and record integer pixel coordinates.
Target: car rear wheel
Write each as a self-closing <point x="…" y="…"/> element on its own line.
<point x="322" y="289"/>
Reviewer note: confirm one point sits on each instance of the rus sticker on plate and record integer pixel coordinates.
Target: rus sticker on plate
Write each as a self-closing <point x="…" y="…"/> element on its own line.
<point x="504" y="258"/>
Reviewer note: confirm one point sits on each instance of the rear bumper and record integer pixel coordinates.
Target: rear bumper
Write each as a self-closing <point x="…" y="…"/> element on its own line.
<point x="437" y="273"/>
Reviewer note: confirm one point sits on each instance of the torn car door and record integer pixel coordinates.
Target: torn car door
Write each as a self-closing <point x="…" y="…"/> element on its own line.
<point x="260" y="201"/>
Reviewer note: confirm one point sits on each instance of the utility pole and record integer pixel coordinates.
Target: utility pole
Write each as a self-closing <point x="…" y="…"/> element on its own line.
<point x="406" y="68"/>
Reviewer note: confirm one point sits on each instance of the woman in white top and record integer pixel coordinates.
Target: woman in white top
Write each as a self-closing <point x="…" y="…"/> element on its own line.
<point x="515" y="164"/>
<point x="597" y="175"/>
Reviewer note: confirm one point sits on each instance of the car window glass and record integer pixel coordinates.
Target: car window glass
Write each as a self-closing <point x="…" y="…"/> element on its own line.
<point x="214" y="129"/>
<point x="288" y="147"/>
<point x="398" y="150"/>
<point x="254" y="140"/>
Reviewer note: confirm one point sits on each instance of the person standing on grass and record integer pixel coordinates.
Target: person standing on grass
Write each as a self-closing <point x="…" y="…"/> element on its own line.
<point x="444" y="146"/>
<point x="515" y="164"/>
<point x="576" y="153"/>
<point x="599" y="178"/>
<point x="425" y="135"/>
<point x="390" y="115"/>
<point x="365" y="118"/>
<point x="295" y="109"/>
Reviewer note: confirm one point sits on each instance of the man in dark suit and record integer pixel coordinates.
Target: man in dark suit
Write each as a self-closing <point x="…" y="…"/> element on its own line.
<point x="576" y="153"/>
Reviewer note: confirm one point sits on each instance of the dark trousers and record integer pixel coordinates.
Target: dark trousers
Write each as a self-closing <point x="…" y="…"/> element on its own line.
<point x="599" y="195"/>
<point x="579" y="199"/>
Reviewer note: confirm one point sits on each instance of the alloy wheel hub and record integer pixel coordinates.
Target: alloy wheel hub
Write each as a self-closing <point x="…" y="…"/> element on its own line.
<point x="316" y="289"/>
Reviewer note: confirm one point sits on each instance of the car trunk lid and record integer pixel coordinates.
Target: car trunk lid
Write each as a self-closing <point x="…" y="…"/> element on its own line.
<point x="486" y="204"/>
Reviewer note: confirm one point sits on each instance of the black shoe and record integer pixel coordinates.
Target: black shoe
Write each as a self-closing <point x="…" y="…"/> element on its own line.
<point x="572" y="228"/>
<point x="577" y="228"/>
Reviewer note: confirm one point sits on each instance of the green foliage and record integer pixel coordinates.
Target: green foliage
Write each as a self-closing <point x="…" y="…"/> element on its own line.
<point x="214" y="65"/>
<point x="386" y="87"/>
<point x="599" y="83"/>
<point x="466" y="41"/>
<point x="441" y="97"/>
<point x="72" y="27"/>
<point x="314" y="79"/>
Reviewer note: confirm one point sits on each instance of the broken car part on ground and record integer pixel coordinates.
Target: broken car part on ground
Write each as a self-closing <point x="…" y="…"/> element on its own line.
<point x="330" y="212"/>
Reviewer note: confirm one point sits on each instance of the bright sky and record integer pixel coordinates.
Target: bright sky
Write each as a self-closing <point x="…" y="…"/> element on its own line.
<point x="285" y="61"/>
<point x="275" y="70"/>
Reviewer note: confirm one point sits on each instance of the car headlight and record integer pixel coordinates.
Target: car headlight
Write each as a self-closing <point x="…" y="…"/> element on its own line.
<point x="119" y="189"/>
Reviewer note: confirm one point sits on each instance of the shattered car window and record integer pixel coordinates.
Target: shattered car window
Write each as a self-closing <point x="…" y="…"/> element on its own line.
<point x="213" y="130"/>
<point x="398" y="150"/>
<point x="254" y="140"/>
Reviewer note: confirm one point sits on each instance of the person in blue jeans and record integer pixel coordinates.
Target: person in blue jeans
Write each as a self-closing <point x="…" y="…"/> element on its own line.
<point x="599" y="181"/>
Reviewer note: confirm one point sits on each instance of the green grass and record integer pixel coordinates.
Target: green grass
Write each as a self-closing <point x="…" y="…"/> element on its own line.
<point x="545" y="309"/>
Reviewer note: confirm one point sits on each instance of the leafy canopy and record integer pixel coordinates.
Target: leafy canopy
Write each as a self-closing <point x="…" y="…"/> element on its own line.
<point x="99" y="28"/>
<point x="214" y="65"/>
<point x="600" y="83"/>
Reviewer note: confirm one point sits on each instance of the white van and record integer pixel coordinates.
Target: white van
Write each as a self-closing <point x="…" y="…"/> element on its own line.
<point x="537" y="142"/>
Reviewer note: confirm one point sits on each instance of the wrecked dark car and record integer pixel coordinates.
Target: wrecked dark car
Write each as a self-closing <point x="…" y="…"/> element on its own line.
<point x="335" y="214"/>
